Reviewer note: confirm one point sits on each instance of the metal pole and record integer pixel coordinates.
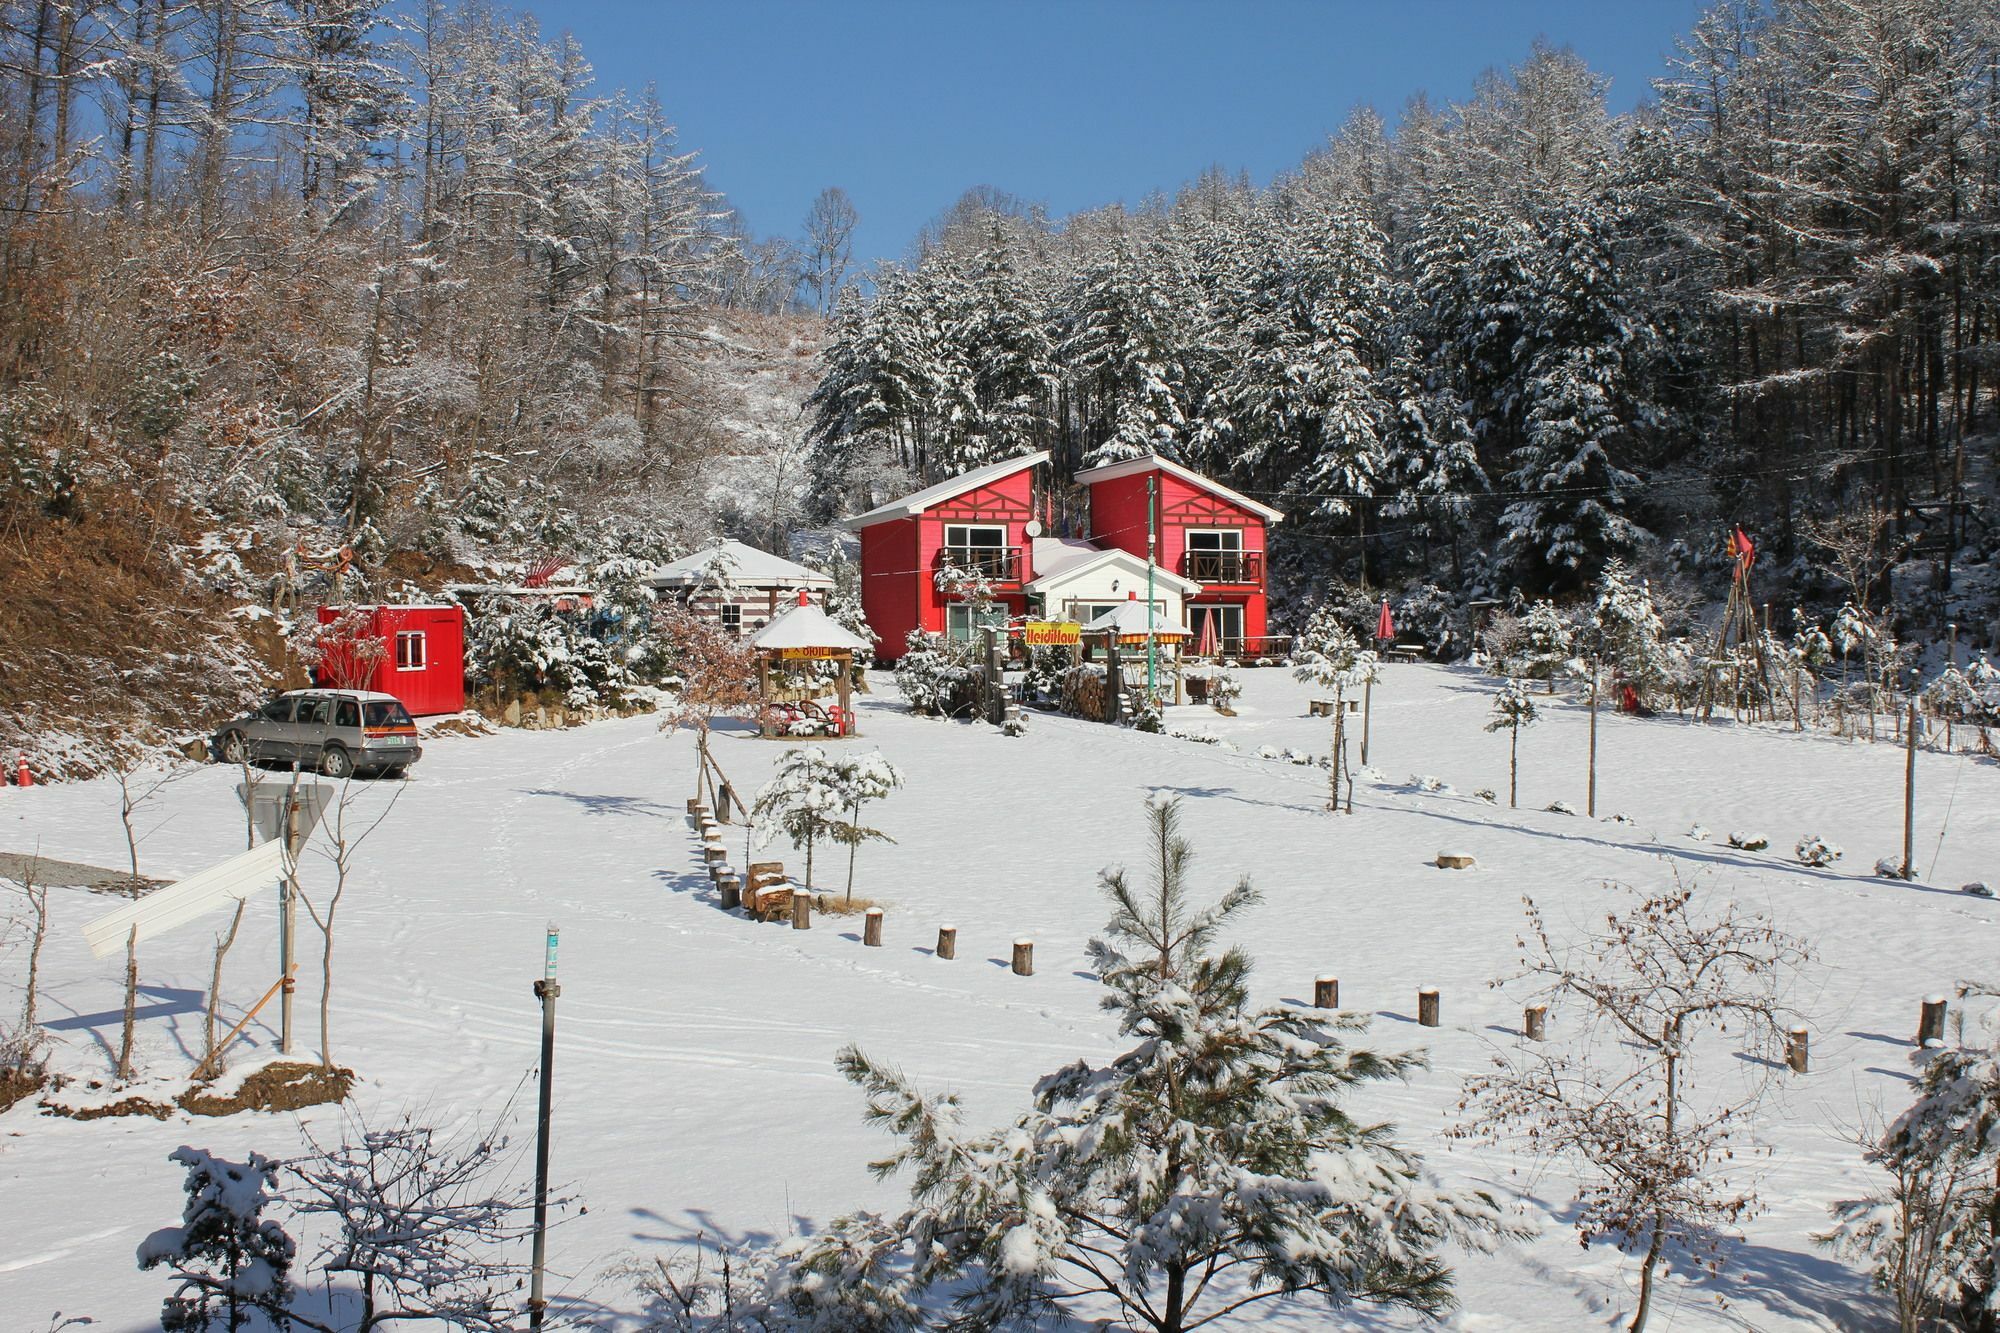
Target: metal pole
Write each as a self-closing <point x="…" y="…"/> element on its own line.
<point x="288" y="920"/>
<point x="1152" y="554"/>
<point x="546" y="990"/>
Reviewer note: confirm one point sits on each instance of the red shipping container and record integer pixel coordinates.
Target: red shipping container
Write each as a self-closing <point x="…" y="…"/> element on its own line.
<point x="416" y="653"/>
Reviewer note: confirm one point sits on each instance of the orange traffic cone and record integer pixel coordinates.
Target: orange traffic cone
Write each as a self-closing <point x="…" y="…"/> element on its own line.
<point x="26" y="778"/>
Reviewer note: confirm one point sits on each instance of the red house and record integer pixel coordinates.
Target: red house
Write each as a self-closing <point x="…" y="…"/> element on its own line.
<point x="993" y="520"/>
<point x="416" y="653"/>
<point x="978" y="521"/>
<point x="1206" y="533"/>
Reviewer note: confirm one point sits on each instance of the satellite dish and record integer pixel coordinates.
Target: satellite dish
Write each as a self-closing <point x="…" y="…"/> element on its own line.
<point x="1034" y="528"/>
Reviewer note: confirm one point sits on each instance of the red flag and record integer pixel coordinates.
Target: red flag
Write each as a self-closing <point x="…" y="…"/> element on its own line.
<point x="1385" y="628"/>
<point x="1743" y="549"/>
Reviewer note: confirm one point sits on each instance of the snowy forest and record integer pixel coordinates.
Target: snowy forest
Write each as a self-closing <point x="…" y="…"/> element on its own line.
<point x="1514" y="336"/>
<point x="404" y="282"/>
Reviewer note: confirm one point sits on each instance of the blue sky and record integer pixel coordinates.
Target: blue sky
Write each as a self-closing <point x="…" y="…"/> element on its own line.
<point x="906" y="105"/>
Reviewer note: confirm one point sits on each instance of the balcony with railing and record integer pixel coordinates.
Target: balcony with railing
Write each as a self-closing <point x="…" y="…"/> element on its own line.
<point x="1001" y="564"/>
<point x="1227" y="568"/>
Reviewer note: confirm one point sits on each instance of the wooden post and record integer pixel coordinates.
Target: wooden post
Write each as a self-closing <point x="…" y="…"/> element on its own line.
<point x="871" y="928"/>
<point x="1797" y="1056"/>
<point x="723" y="796"/>
<point x="1339" y="746"/>
<point x="288" y="924"/>
<point x="731" y="890"/>
<point x="1024" y="958"/>
<point x="802" y="910"/>
<point x="714" y="854"/>
<point x="1590" y="796"/>
<point x="1326" y="992"/>
<point x="1535" y="1021"/>
<point x="694" y="804"/>
<point x="1367" y="713"/>
<point x="1427" y="1007"/>
<point x="1798" y="699"/>
<point x="1910" y="790"/>
<point x="1930" y="1020"/>
<point x="947" y="945"/>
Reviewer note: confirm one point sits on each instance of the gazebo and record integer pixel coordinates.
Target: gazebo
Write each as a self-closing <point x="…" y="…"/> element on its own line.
<point x="806" y="634"/>
<point x="1134" y="624"/>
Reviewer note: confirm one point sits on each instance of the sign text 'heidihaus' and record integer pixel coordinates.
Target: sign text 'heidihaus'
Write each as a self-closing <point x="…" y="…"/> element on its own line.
<point x="1051" y="633"/>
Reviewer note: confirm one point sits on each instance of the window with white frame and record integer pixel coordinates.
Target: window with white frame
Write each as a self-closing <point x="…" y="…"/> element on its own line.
<point x="980" y="546"/>
<point x="410" y="650"/>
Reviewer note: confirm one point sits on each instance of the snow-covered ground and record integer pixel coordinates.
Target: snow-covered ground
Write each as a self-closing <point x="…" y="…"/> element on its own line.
<point x="696" y="1088"/>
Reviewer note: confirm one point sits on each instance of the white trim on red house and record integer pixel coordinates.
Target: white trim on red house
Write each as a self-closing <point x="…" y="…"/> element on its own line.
<point x="1134" y="565"/>
<point x="912" y="505"/>
<point x="1133" y="467"/>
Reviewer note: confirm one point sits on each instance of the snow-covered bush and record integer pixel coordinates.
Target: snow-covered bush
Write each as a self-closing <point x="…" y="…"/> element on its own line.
<point x="1890" y="867"/>
<point x="1147" y="719"/>
<point x="1547" y="649"/>
<point x="1223" y="691"/>
<point x="1198" y="737"/>
<point x="1699" y="832"/>
<point x="940" y="676"/>
<point x="1116" y="1178"/>
<point x="227" y="1259"/>
<point x="514" y="647"/>
<point x="1424" y="782"/>
<point x="1486" y="794"/>
<point x="1015" y="724"/>
<point x="1749" y="842"/>
<point x="1560" y="808"/>
<point x="1814" y="850"/>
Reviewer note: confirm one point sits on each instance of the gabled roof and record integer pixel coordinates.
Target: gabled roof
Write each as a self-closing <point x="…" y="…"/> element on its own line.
<point x="746" y="564"/>
<point x="945" y="490"/>
<point x="808" y="627"/>
<point x="1133" y="467"/>
<point x="1130" y="617"/>
<point x="1072" y="569"/>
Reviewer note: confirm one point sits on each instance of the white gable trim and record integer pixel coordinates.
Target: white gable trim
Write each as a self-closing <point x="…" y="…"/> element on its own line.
<point x="1133" y="467"/>
<point x="911" y="505"/>
<point x="1124" y="560"/>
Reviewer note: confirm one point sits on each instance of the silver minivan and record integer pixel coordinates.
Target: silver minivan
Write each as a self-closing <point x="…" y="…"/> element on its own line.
<point x="337" y="732"/>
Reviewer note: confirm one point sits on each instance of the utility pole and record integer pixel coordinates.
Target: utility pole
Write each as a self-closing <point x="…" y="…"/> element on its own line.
<point x="1152" y="555"/>
<point x="546" y="990"/>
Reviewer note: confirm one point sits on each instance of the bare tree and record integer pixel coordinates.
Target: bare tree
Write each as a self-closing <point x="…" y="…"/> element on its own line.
<point x="343" y="842"/>
<point x="1617" y="1100"/>
<point x="829" y="245"/>
<point x="21" y="1051"/>
<point x="718" y="676"/>
<point x="138" y="784"/>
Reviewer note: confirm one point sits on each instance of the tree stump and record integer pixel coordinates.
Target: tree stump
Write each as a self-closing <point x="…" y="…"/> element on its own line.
<point x="1453" y="861"/>
<point x="802" y="911"/>
<point x="1797" y="1056"/>
<point x="1930" y="1021"/>
<point x="1535" y="1022"/>
<point x="1024" y="958"/>
<point x="871" y="928"/>
<point x="1427" y="1007"/>
<point x="947" y="945"/>
<point x="731" y="891"/>
<point x="694" y="804"/>
<point x="1326" y="992"/>
<point x="714" y="855"/>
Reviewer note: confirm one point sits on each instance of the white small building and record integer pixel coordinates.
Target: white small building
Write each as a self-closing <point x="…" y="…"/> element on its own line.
<point x="739" y="586"/>
<point x="1078" y="581"/>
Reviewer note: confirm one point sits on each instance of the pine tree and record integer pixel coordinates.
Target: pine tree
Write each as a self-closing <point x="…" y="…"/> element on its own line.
<point x="1631" y="637"/>
<point x="229" y="1262"/>
<point x="1513" y="709"/>
<point x="861" y="779"/>
<point x="803" y="800"/>
<point x="1211" y="1167"/>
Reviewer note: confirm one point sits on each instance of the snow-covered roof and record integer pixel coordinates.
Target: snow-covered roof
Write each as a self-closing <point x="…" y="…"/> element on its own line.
<point x="746" y="564"/>
<point x="1052" y="555"/>
<point x="1080" y="563"/>
<point x="945" y="490"/>
<point x="1135" y="466"/>
<point x="1134" y="617"/>
<point x="808" y="627"/>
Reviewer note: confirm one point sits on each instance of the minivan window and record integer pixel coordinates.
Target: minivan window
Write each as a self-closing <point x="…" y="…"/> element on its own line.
<point x="278" y="710"/>
<point x="314" y="712"/>
<point x="387" y="713"/>
<point x="347" y="715"/>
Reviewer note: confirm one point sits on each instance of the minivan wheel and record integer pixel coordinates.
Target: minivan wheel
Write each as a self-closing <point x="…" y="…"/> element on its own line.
<point x="234" y="751"/>
<point x="335" y="763"/>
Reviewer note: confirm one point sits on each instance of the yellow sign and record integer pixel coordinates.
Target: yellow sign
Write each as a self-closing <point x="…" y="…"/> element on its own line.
<point x="811" y="654"/>
<point x="1051" y="633"/>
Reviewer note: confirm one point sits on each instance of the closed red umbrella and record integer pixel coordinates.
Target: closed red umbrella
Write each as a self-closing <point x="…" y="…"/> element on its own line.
<point x="1206" y="646"/>
<point x="1385" y="628"/>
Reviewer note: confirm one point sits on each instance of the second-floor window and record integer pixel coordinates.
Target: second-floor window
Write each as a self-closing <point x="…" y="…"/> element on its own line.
<point x="732" y="617"/>
<point x="1215" y="555"/>
<point x="980" y="546"/>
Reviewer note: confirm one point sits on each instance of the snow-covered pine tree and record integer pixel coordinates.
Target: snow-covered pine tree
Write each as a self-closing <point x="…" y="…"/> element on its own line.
<point x="1122" y="345"/>
<point x="1211" y="1167"/>
<point x="229" y="1261"/>
<point x="1513" y="709"/>
<point x="861" y="778"/>
<point x="1932" y="1238"/>
<point x="1548" y="644"/>
<point x="803" y="800"/>
<point x="1630" y="633"/>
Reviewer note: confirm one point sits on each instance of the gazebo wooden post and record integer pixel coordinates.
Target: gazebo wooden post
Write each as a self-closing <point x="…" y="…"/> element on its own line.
<point x="844" y="689"/>
<point x="764" y="694"/>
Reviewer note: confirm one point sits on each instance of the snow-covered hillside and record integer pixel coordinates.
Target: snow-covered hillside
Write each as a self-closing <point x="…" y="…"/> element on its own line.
<point x="696" y="1085"/>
